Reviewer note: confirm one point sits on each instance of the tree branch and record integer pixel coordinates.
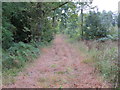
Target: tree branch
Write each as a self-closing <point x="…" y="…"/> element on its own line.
<point x="59" y="6"/>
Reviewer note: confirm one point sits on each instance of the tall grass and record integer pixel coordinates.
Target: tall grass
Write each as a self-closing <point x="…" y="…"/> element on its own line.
<point x="106" y="61"/>
<point x="103" y="56"/>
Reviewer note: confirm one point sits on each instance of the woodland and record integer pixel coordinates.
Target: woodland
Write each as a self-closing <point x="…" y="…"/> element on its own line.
<point x="28" y="27"/>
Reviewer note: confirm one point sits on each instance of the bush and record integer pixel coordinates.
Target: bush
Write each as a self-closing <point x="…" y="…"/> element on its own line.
<point x="105" y="60"/>
<point x="6" y="38"/>
<point x="107" y="63"/>
<point x="102" y="55"/>
<point x="19" y="53"/>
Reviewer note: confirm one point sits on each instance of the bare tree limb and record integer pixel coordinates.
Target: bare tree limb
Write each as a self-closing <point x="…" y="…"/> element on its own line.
<point x="59" y="6"/>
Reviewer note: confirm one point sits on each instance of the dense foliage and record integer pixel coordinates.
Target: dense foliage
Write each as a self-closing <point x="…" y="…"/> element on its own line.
<point x="96" y="26"/>
<point x="24" y="25"/>
<point x="28" y="25"/>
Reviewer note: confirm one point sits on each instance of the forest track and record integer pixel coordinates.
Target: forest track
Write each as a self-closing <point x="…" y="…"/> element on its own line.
<point x="59" y="66"/>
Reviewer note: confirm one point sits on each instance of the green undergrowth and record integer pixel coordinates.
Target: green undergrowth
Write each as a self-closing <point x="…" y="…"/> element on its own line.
<point x="17" y="57"/>
<point x="103" y="59"/>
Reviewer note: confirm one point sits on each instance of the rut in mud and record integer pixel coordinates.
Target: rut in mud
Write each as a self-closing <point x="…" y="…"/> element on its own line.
<point x="59" y="66"/>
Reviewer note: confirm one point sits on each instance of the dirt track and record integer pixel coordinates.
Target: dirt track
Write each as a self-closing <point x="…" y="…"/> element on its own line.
<point x="58" y="66"/>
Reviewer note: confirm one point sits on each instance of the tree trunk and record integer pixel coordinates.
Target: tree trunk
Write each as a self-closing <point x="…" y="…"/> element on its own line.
<point x="82" y="22"/>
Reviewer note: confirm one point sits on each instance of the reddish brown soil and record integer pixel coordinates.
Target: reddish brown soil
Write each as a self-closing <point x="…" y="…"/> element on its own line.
<point x="59" y="66"/>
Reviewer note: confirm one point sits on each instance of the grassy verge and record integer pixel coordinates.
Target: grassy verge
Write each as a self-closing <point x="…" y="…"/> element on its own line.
<point x="17" y="57"/>
<point x="103" y="56"/>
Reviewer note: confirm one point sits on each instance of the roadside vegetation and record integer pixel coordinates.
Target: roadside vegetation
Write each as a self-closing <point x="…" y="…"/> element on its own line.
<point x="27" y="27"/>
<point x="21" y="39"/>
<point x="104" y="60"/>
<point x="99" y="44"/>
